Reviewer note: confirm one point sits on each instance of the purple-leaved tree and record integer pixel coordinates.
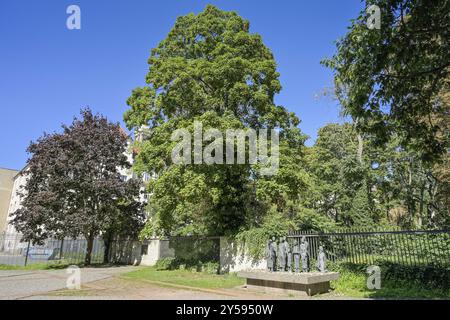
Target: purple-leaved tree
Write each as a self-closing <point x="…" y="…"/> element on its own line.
<point x="74" y="186"/>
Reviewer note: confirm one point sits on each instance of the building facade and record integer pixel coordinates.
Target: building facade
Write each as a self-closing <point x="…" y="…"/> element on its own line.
<point x="20" y="180"/>
<point x="7" y="177"/>
<point x="10" y="239"/>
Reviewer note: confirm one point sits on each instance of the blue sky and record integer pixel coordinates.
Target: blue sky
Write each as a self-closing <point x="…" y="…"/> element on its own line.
<point x="47" y="72"/>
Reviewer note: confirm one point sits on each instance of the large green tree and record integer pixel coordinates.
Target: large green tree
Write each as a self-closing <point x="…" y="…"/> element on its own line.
<point x="74" y="186"/>
<point x="344" y="176"/>
<point x="210" y="68"/>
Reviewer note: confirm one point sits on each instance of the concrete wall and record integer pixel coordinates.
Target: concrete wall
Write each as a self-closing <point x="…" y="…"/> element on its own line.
<point x="6" y="188"/>
<point x="155" y="250"/>
<point x="233" y="258"/>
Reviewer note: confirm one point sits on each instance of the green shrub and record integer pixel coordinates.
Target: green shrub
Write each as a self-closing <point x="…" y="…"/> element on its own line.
<point x="194" y="252"/>
<point x="211" y="267"/>
<point x="165" y="264"/>
<point x="430" y="276"/>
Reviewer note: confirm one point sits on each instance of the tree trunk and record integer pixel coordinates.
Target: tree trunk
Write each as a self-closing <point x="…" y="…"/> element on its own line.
<point x="421" y="206"/>
<point x="360" y="148"/>
<point x="360" y="144"/>
<point x="90" y="245"/>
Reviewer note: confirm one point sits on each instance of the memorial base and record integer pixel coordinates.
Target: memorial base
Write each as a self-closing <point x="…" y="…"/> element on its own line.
<point x="308" y="283"/>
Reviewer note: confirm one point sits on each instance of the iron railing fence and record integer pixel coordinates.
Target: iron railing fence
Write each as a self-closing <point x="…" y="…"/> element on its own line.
<point x="361" y="246"/>
<point x="365" y="246"/>
<point x="14" y="251"/>
<point x="189" y="250"/>
<point x="195" y="250"/>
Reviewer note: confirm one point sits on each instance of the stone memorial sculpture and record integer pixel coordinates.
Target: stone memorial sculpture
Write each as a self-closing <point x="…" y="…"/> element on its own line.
<point x="282" y="254"/>
<point x="321" y="260"/>
<point x="296" y="254"/>
<point x="304" y="254"/>
<point x="271" y="254"/>
<point x="291" y="253"/>
<point x="288" y="250"/>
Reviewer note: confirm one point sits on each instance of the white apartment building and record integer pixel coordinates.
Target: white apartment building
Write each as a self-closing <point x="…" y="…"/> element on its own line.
<point x="12" y="237"/>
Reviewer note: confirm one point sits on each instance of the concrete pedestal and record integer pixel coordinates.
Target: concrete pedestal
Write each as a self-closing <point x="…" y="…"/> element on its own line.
<point x="309" y="283"/>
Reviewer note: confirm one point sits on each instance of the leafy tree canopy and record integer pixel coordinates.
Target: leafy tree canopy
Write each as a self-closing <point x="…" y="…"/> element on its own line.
<point x="390" y="79"/>
<point x="210" y="68"/>
<point x="210" y="62"/>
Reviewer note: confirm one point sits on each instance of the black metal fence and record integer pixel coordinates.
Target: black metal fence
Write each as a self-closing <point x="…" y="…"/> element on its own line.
<point x="195" y="250"/>
<point x="406" y="247"/>
<point x="15" y="252"/>
<point x="189" y="251"/>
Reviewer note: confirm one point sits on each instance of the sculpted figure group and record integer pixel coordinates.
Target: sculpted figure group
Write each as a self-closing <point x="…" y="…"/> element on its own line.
<point x="280" y="256"/>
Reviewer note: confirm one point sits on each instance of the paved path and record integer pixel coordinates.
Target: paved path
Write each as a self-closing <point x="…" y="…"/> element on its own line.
<point x="106" y="284"/>
<point x="25" y="284"/>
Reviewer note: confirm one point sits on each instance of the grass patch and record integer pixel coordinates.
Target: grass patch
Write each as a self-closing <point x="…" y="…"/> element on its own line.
<point x="34" y="266"/>
<point x="49" y="266"/>
<point x="186" y="278"/>
<point x="354" y="284"/>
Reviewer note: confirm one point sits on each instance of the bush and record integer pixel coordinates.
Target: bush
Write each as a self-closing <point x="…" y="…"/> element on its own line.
<point x="211" y="267"/>
<point x="165" y="264"/>
<point x="174" y="264"/>
<point x="194" y="252"/>
<point x="424" y="276"/>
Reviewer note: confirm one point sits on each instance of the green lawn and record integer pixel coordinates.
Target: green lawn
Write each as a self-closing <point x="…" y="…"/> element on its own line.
<point x="46" y="266"/>
<point x="354" y="285"/>
<point x="186" y="278"/>
<point x="34" y="266"/>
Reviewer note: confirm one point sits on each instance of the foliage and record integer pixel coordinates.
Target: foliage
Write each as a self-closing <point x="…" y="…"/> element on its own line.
<point x="390" y="79"/>
<point x="210" y="62"/>
<point x="74" y="187"/>
<point x="343" y="179"/>
<point x="396" y="280"/>
<point x="210" y="68"/>
<point x="276" y="224"/>
<point x="193" y="199"/>
<point x="211" y="267"/>
<point x="165" y="264"/>
<point x="192" y="252"/>
<point x="387" y="166"/>
<point x="254" y="240"/>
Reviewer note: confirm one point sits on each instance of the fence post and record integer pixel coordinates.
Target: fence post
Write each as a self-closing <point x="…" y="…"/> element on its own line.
<point x="61" y="249"/>
<point x="28" y="250"/>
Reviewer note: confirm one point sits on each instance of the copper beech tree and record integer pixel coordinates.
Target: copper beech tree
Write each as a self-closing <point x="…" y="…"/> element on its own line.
<point x="74" y="187"/>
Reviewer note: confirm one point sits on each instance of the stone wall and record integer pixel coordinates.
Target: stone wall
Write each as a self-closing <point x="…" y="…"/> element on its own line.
<point x="153" y="250"/>
<point x="232" y="257"/>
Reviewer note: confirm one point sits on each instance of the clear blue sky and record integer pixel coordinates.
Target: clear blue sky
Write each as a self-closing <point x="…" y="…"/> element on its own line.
<point x="48" y="72"/>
